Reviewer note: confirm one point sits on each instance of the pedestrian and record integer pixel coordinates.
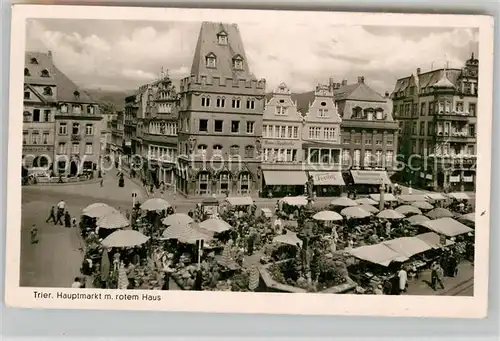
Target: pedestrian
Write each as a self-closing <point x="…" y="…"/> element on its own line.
<point x="436" y="276"/>
<point x="387" y="289"/>
<point x="198" y="281"/>
<point x="73" y="222"/>
<point x="52" y="215"/>
<point x="403" y="280"/>
<point x="76" y="284"/>
<point x="34" y="234"/>
<point x="67" y="219"/>
<point x="60" y="215"/>
<point x="102" y="182"/>
<point x="452" y="265"/>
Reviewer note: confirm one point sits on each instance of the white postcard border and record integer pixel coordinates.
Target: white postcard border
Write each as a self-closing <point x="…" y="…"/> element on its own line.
<point x="267" y="303"/>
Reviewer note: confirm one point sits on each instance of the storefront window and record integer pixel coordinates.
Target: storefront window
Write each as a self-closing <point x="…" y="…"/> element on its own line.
<point x="203" y="180"/>
<point x="245" y="183"/>
<point x="224" y="179"/>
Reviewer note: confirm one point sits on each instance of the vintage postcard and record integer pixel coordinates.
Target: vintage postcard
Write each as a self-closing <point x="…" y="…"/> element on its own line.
<point x="249" y="161"/>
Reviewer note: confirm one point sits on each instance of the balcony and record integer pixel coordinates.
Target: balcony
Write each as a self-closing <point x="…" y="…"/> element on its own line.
<point x="458" y="137"/>
<point x="454" y="116"/>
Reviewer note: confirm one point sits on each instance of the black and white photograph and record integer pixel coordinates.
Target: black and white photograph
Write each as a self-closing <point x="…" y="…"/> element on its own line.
<point x="162" y="155"/>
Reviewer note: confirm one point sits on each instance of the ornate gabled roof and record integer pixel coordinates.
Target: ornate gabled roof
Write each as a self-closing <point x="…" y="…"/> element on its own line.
<point x="208" y="45"/>
<point x="357" y="92"/>
<point x="444" y="82"/>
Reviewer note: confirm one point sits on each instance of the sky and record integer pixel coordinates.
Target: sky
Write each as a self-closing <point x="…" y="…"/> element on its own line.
<point x="122" y="55"/>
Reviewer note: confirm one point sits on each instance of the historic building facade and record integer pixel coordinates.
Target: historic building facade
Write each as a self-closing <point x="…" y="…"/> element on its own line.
<point x="369" y="134"/>
<point x="281" y="155"/>
<point x="220" y="118"/>
<point x="439" y="114"/>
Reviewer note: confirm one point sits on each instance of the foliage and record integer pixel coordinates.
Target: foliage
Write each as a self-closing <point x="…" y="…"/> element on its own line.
<point x="240" y="282"/>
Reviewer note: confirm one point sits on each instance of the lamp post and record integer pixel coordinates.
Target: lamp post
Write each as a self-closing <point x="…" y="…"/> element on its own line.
<point x="382" y="199"/>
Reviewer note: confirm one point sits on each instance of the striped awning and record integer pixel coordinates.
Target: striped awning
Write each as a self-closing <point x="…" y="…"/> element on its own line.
<point x="327" y="178"/>
<point x="368" y="177"/>
<point x="285" y="177"/>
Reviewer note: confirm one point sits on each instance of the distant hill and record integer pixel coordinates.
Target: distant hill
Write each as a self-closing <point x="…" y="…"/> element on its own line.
<point x="117" y="98"/>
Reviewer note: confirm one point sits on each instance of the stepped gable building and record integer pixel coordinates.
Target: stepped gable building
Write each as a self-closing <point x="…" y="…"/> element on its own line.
<point x="282" y="146"/>
<point x="220" y="118"/>
<point x="369" y="134"/>
<point x="321" y="141"/>
<point x="438" y="111"/>
<point x="40" y="106"/>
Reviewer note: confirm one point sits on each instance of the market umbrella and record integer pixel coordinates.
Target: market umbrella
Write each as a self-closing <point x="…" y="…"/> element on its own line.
<point x="369" y="208"/>
<point x="215" y="225"/>
<point x="343" y="202"/>
<point x="439" y="213"/>
<point x="92" y="206"/>
<point x="390" y="214"/>
<point x="355" y="212"/>
<point x="295" y="201"/>
<point x="155" y="204"/>
<point x="408" y="209"/>
<point x="366" y="201"/>
<point x="189" y="233"/>
<point x="289" y="238"/>
<point x="417" y="219"/>
<point x="328" y="216"/>
<point x="470" y="217"/>
<point x="113" y="220"/>
<point x="105" y="265"/>
<point x="227" y="259"/>
<point x="423" y="205"/>
<point x="98" y="211"/>
<point x="124" y="238"/>
<point x="177" y="219"/>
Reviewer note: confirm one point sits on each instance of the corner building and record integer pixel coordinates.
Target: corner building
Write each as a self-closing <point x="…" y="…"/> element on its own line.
<point x="220" y="118"/>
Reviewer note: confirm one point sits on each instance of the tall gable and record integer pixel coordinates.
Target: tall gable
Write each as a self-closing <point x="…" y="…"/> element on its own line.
<point x="220" y="52"/>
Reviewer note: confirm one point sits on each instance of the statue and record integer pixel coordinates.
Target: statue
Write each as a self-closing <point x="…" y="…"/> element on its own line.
<point x="258" y="146"/>
<point x="192" y="144"/>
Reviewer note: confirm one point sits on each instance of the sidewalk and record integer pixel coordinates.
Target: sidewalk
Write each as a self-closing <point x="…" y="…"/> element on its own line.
<point x="421" y="286"/>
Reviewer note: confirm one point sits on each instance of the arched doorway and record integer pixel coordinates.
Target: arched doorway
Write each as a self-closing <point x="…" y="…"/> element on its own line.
<point x="73" y="170"/>
<point x="41" y="161"/>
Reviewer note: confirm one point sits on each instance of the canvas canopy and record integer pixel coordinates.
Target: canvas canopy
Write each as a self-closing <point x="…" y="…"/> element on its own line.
<point x="433" y="240"/>
<point x="412" y="197"/>
<point x="387" y="197"/>
<point x="378" y="254"/>
<point x="459" y="196"/>
<point x="447" y="226"/>
<point x="240" y="201"/>
<point x="408" y="246"/>
<point x="435" y="196"/>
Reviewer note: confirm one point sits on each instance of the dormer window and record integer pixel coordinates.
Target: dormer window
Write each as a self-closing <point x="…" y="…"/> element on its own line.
<point x="222" y="38"/>
<point x="211" y="60"/>
<point x="27" y="72"/>
<point x="34" y="61"/>
<point x="45" y="73"/>
<point x="380" y="115"/>
<point x="238" y="63"/>
<point x="47" y="91"/>
<point x="76" y="94"/>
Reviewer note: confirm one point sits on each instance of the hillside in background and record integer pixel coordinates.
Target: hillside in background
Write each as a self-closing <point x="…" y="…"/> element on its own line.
<point x="116" y="98"/>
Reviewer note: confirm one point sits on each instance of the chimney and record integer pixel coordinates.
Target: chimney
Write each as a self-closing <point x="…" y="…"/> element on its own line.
<point x="50" y="54"/>
<point x="344" y="82"/>
<point x="418" y="71"/>
<point x="361" y="79"/>
<point x="331" y="84"/>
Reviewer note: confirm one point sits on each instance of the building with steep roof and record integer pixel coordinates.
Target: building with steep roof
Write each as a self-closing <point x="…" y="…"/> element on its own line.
<point x="437" y="113"/>
<point x="69" y="127"/>
<point x="369" y="134"/>
<point x="220" y="117"/>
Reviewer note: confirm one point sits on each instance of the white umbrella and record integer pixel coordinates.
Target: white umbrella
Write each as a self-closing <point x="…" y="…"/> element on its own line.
<point x="366" y="201"/>
<point x="369" y="208"/>
<point x="155" y="204"/>
<point x="390" y="214"/>
<point x="177" y="219"/>
<point x="439" y="212"/>
<point x="417" y="219"/>
<point x="113" y="220"/>
<point x="408" y="209"/>
<point x="99" y="211"/>
<point x="92" y="206"/>
<point x="355" y="212"/>
<point x="344" y="202"/>
<point x="423" y="205"/>
<point x="186" y="233"/>
<point x="289" y="238"/>
<point x="327" y="216"/>
<point x="124" y="238"/>
<point x="215" y="225"/>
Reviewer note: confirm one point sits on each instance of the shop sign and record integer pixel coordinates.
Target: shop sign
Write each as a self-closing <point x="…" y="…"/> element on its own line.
<point x="468" y="178"/>
<point x="455" y="178"/>
<point x="278" y="142"/>
<point x="324" y="178"/>
<point x="38" y="149"/>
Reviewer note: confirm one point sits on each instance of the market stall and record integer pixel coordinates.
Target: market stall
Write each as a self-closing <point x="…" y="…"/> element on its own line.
<point x="355" y="212"/>
<point x="343" y="202"/>
<point x="388" y="197"/>
<point x="369" y="208"/>
<point x="417" y="219"/>
<point x="408" y="210"/>
<point x="439" y="212"/>
<point x="366" y="201"/>
<point x="469" y="217"/>
<point x="447" y="227"/>
<point x="409" y="198"/>
<point x="422" y="205"/>
<point x="328" y="216"/>
<point x="378" y="254"/>
<point x="408" y="246"/>
<point x="390" y="214"/>
<point x="155" y="204"/>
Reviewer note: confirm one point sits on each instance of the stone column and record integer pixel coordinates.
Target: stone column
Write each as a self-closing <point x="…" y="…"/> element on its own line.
<point x="462" y="184"/>
<point x="363" y="143"/>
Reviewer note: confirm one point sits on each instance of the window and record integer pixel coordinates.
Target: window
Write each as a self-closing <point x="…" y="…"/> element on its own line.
<point x="467" y="88"/>
<point x="281" y="110"/>
<point x="250" y="127"/>
<point x="357" y="141"/>
<point x="378" y="158"/>
<point x="389" y="142"/>
<point x="422" y="109"/>
<point x="202" y="149"/>
<point x="218" y="126"/>
<point x="378" y="142"/>
<point x="414" y="128"/>
<point x="90" y="109"/>
<point x="380" y="115"/>
<point x="472" y="109"/>
<point x="289" y="132"/>
<point x="389" y="158"/>
<point x="470" y="150"/>
<point x="430" y="129"/>
<point x="203" y="126"/>
<point x="63" y="128"/>
<point x="47" y="91"/>
<point x="76" y="129"/>
<point x="295" y="132"/>
<point x="203" y="179"/>
<point x="64" y="108"/>
<point x="236" y="103"/>
<point x="27" y="95"/>
<point x="422" y="128"/>
<point x="27" y="72"/>
<point x="323" y="113"/>
<point x="234" y="150"/>
<point x="88" y="149"/>
<point x="251" y="103"/>
<point x="282" y="132"/>
<point x="235" y="126"/>
<point x="264" y="131"/>
<point x="75" y="148"/>
<point x="36" y="115"/>
<point x="222" y="38"/>
<point x="346" y="141"/>
<point x="46" y="115"/>
<point x="217" y="149"/>
<point x="62" y="148"/>
<point x="77" y="109"/>
<point x="44" y="73"/>
<point x="357" y="157"/>
<point x="205" y="101"/>
<point x="368" y="158"/>
<point x="35" y="137"/>
<point x="249" y="151"/>
<point x="238" y="63"/>
<point x="89" y="129"/>
<point x="25" y="137"/>
<point x="244" y="183"/>
<point x="45" y="137"/>
<point x="224" y="179"/>
<point x="211" y="61"/>
<point x="459" y="107"/>
<point x="368" y="141"/>
<point x="220" y="102"/>
<point x="472" y="130"/>
<point x="34" y="61"/>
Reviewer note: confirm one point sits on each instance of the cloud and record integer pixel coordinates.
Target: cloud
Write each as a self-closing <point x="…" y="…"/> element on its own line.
<point x="127" y="54"/>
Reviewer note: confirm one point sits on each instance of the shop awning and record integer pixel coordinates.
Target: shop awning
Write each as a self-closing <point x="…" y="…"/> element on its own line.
<point x="435" y="196"/>
<point x="433" y="240"/>
<point x="447" y="226"/>
<point x="412" y="197"/>
<point x="459" y="196"/>
<point x="387" y="197"/>
<point x="240" y="201"/>
<point x="378" y="254"/>
<point x="285" y="177"/>
<point x="364" y="177"/>
<point x="327" y="178"/>
<point x="408" y="246"/>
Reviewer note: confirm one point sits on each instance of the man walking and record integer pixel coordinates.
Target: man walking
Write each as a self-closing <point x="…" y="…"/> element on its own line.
<point x="436" y="276"/>
<point x="403" y="279"/>
<point x="52" y="215"/>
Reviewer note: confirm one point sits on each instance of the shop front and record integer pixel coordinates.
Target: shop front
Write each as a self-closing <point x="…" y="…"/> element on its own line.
<point x="279" y="183"/>
<point x="369" y="181"/>
<point x="327" y="184"/>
